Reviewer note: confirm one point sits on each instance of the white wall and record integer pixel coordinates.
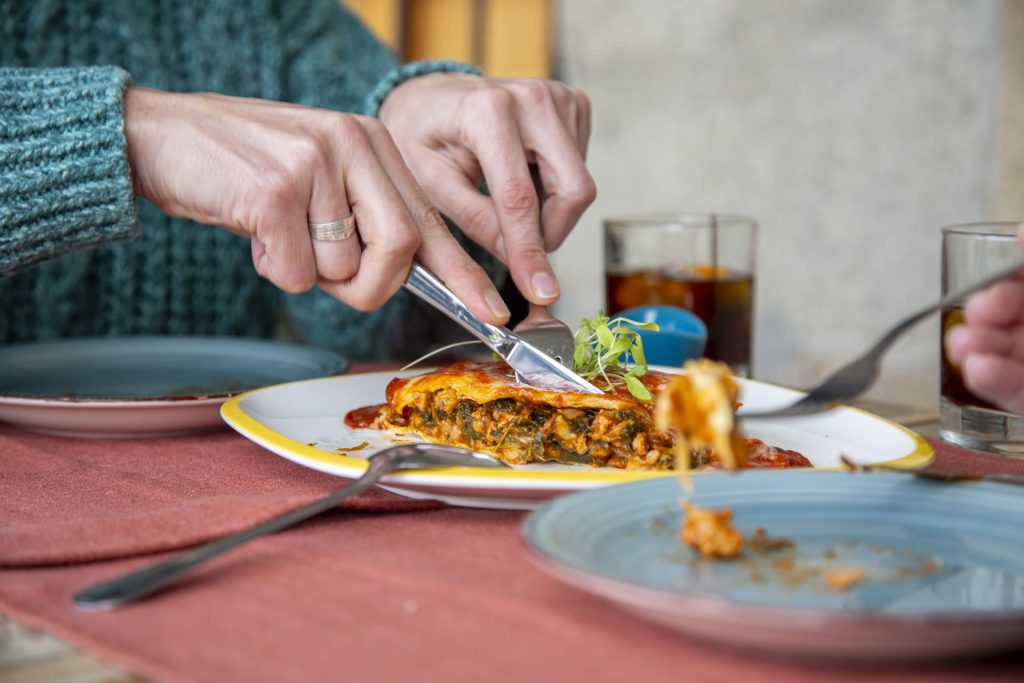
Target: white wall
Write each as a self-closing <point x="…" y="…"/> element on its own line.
<point x="852" y="130"/>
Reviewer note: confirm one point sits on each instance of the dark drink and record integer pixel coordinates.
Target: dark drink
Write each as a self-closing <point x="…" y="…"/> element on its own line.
<point x="724" y="303"/>
<point x="971" y="252"/>
<point x="952" y="382"/>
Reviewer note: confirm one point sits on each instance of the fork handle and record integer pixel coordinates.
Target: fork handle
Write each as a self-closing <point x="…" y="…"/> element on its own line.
<point x="814" y="402"/>
<point x="948" y="300"/>
<point x="148" y="580"/>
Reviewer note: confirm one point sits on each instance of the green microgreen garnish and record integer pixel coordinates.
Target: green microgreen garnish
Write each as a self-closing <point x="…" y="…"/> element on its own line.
<point x="602" y="343"/>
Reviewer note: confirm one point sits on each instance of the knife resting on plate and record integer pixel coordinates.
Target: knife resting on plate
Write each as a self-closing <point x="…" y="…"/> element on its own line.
<point x="532" y="366"/>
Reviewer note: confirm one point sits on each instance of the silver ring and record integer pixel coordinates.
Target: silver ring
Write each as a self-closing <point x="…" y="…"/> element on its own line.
<point x="335" y="231"/>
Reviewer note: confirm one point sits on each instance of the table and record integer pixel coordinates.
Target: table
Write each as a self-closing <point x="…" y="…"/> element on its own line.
<point x="31" y="655"/>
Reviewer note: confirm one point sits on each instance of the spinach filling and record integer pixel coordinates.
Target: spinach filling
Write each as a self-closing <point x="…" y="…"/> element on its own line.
<point x="464" y="415"/>
<point x="532" y="430"/>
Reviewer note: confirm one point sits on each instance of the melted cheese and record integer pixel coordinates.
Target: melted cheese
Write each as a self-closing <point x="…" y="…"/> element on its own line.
<point x="485" y="382"/>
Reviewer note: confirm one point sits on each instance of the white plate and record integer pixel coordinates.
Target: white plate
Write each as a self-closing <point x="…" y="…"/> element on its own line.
<point x="303" y="422"/>
<point x="124" y="387"/>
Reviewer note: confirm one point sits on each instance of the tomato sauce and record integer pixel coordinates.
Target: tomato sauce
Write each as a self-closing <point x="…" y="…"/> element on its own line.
<point x="362" y="418"/>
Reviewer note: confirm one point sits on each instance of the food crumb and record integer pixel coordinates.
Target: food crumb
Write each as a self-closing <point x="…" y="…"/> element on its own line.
<point x="784" y="564"/>
<point x="797" y="575"/>
<point x="843" y="579"/>
<point x="753" y="570"/>
<point x="760" y="541"/>
<point x="710" y="532"/>
<point x="350" y="449"/>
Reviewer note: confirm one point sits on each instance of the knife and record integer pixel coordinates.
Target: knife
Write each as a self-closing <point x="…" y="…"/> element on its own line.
<point x="532" y="366"/>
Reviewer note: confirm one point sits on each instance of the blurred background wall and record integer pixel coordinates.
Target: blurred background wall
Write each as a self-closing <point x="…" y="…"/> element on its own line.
<point x="851" y="130"/>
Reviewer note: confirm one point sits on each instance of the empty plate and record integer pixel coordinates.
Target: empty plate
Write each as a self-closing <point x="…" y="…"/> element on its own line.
<point x="143" y="386"/>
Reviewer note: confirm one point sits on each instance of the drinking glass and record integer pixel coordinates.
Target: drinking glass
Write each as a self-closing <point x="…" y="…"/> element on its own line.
<point x="701" y="262"/>
<point x="970" y="252"/>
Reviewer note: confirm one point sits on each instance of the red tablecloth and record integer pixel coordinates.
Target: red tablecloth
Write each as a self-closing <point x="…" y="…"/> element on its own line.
<point x="385" y="589"/>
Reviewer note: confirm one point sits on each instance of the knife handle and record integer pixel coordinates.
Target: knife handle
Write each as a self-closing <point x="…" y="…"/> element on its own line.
<point x="427" y="287"/>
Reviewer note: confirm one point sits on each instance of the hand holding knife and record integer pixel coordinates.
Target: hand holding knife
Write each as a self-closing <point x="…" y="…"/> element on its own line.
<point x="531" y="365"/>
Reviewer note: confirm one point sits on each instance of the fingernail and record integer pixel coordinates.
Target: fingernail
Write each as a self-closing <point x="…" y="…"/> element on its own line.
<point x="499" y="248"/>
<point x="497" y="306"/>
<point x="544" y="285"/>
<point x="951" y="345"/>
<point x="969" y="366"/>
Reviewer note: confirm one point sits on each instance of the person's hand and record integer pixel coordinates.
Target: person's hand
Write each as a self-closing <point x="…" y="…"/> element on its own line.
<point x="989" y="346"/>
<point x="455" y="130"/>
<point x="265" y="170"/>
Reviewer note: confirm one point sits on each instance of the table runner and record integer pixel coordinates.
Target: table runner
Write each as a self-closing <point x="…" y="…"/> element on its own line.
<point x="418" y="593"/>
<point x="65" y="501"/>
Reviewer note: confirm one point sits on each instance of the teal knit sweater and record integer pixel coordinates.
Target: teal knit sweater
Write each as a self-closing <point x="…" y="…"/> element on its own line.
<point x="79" y="256"/>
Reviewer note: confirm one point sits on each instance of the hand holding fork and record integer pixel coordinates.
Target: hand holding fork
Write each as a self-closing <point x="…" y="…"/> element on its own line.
<point x="853" y="379"/>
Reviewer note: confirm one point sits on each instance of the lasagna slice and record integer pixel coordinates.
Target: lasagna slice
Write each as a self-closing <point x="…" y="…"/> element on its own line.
<point x="481" y="406"/>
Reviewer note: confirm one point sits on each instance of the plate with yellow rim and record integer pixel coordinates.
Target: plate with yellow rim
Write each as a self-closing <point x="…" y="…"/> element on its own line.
<point x="304" y="422"/>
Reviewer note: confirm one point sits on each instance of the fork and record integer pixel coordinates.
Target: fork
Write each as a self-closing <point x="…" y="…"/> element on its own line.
<point x="943" y="476"/>
<point x="856" y="377"/>
<point x="532" y="366"/>
<point x="148" y="580"/>
<point x="549" y="334"/>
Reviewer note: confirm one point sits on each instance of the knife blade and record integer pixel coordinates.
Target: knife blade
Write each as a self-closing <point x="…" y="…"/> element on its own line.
<point x="532" y="366"/>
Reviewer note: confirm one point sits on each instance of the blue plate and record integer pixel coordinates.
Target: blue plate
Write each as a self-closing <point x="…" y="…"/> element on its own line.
<point x="943" y="563"/>
<point x="143" y="386"/>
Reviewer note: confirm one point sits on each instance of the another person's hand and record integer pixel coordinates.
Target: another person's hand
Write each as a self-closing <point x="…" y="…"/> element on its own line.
<point x="265" y="170"/>
<point x="989" y="347"/>
<point x="455" y="130"/>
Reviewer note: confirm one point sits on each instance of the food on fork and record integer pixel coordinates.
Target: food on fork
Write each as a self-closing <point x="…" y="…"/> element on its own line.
<point x="698" y="409"/>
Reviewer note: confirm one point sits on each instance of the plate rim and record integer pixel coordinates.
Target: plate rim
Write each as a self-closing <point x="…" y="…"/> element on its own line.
<point x="148" y="401"/>
<point x="235" y="416"/>
<point x="125" y="403"/>
<point x="806" y="615"/>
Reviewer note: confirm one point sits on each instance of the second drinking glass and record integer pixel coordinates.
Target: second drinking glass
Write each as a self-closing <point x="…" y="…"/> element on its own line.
<point x="701" y="262"/>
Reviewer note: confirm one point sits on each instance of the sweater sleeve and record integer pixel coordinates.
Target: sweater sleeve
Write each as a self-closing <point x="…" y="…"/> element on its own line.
<point x="401" y="74"/>
<point x="333" y="61"/>
<point x="65" y="183"/>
